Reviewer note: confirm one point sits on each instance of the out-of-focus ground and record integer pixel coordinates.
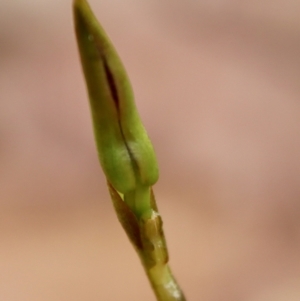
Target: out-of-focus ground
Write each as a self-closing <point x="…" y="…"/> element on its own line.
<point x="217" y="85"/>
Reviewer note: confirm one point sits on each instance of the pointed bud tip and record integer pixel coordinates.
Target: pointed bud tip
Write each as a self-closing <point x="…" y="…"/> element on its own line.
<point x="82" y="12"/>
<point x="77" y="4"/>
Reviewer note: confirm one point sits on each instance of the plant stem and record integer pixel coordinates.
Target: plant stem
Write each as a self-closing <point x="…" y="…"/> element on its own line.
<point x="125" y="151"/>
<point x="155" y="261"/>
<point x="145" y="232"/>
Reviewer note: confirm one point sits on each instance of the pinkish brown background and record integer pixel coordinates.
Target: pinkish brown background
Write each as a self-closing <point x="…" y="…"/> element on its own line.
<point x="218" y="86"/>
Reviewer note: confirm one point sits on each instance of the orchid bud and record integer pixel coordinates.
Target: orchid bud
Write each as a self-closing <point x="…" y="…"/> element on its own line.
<point x="125" y="151"/>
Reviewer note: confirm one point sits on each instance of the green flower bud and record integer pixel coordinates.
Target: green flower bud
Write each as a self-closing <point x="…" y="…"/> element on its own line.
<point x="125" y="151"/>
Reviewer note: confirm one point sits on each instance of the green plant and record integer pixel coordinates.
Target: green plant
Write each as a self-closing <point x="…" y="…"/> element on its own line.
<point x="125" y="151"/>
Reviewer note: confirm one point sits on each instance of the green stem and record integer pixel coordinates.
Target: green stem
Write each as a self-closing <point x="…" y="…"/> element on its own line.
<point x="154" y="256"/>
<point x="145" y="231"/>
<point x="163" y="283"/>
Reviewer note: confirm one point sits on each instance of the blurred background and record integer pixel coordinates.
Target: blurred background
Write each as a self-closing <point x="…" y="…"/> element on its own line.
<point x="217" y="86"/>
